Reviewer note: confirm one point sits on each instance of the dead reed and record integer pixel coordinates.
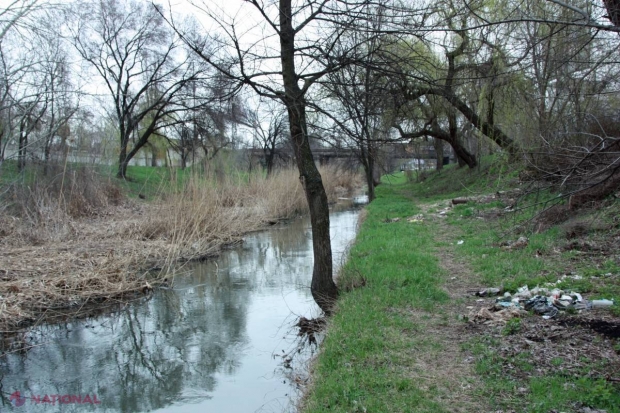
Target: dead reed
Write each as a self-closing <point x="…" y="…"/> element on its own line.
<point x="74" y="240"/>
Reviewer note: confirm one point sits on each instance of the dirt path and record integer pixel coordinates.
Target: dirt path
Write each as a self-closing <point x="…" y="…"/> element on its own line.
<point x="569" y="344"/>
<point x="450" y="367"/>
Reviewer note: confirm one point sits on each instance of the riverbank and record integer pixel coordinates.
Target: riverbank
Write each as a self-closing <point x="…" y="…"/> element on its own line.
<point x="410" y="335"/>
<point x="218" y="332"/>
<point x="80" y="243"/>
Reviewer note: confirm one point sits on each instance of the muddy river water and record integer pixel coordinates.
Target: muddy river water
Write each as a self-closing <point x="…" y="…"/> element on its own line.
<point x="219" y="341"/>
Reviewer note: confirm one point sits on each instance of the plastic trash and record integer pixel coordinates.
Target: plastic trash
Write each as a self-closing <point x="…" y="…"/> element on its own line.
<point x="541" y="306"/>
<point x="523" y="292"/>
<point x="488" y="292"/>
<point x="506" y="304"/>
<point x="506" y="298"/>
<point x="601" y="303"/>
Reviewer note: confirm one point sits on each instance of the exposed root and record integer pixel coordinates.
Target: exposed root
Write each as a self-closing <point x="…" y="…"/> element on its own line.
<point x="309" y="327"/>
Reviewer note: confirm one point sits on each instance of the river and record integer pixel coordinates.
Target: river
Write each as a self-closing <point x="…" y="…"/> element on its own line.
<point x="218" y="341"/>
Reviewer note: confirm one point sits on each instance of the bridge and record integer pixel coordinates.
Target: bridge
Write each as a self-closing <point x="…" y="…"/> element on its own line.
<point x="321" y="155"/>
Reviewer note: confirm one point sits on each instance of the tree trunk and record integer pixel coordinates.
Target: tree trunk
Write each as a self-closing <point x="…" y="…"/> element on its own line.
<point x="368" y="162"/>
<point x="323" y="288"/>
<point x="613" y="11"/>
<point x="125" y="156"/>
<point x="438" y="144"/>
<point x="23" y="144"/>
<point x="370" y="182"/>
<point x="270" y="153"/>
<point x="463" y="156"/>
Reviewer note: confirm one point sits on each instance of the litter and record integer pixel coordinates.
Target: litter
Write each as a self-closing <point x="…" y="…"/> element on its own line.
<point x="542" y="301"/>
<point x="601" y="303"/>
<point x="486" y="316"/>
<point x="542" y="306"/>
<point x="416" y="218"/>
<point x="488" y="292"/>
<point x="460" y="242"/>
<point x="547" y="303"/>
<point x="513" y="245"/>
<point x="523" y="292"/>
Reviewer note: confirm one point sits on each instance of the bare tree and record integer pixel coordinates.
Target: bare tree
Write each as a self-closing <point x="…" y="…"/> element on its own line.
<point x="14" y="14"/>
<point x="270" y="132"/>
<point x="142" y="65"/>
<point x="37" y="99"/>
<point x="304" y="36"/>
<point x="361" y="91"/>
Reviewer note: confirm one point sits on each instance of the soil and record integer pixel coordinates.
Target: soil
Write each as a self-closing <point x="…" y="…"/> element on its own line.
<point x="454" y="366"/>
<point x="578" y="345"/>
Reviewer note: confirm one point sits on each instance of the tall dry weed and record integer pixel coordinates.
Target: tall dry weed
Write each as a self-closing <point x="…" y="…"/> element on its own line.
<point x="106" y="256"/>
<point x="41" y="206"/>
<point x="201" y="215"/>
<point x="339" y="181"/>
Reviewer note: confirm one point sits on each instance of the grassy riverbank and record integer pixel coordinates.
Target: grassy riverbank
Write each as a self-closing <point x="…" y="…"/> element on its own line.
<point x="407" y="334"/>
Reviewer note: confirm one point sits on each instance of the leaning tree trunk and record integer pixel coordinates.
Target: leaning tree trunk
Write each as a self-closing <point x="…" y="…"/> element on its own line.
<point x="613" y="11"/>
<point x="23" y="144"/>
<point x="323" y="288"/>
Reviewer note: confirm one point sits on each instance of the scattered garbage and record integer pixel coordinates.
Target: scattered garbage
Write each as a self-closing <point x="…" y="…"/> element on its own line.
<point x="416" y="218"/>
<point x="460" y="242"/>
<point x="545" y="302"/>
<point x="601" y="303"/>
<point x="513" y="245"/>
<point x="488" y="292"/>
<point x="486" y="316"/>
<point x="542" y="306"/>
<point x="523" y="292"/>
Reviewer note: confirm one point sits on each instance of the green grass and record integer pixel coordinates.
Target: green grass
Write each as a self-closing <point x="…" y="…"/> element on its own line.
<point x="369" y="352"/>
<point x="365" y="357"/>
<point x="142" y="180"/>
<point x="538" y="394"/>
<point x="150" y="181"/>
<point x="493" y="174"/>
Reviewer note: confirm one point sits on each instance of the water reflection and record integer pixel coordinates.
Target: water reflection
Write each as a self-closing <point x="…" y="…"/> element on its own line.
<point x="206" y="345"/>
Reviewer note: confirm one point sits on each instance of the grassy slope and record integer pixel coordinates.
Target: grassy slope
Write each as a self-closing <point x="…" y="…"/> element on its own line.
<point x="367" y="363"/>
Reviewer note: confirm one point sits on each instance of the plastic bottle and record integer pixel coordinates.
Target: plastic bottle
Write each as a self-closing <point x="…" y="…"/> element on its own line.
<point x="601" y="303"/>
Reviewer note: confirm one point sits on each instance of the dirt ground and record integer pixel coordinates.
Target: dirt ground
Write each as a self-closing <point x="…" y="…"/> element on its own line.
<point x="584" y="343"/>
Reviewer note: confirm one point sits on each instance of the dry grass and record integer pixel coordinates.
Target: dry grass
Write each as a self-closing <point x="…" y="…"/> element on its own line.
<point x="202" y="215"/>
<point x="43" y="208"/>
<point x="73" y="240"/>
